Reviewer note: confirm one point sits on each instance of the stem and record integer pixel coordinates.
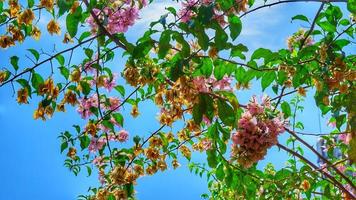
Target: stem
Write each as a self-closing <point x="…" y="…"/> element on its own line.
<point x="46" y="60"/>
<point x="339" y="185"/>
<point x="321" y="157"/>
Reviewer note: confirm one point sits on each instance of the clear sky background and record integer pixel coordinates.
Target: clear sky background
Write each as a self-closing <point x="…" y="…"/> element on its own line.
<point x="31" y="164"/>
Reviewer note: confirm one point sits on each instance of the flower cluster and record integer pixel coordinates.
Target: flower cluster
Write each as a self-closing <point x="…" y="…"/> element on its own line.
<point x="187" y="11"/>
<point x="258" y="130"/>
<point x="115" y="20"/>
<point x="206" y="85"/>
<point x="96" y="144"/>
<point x="295" y="40"/>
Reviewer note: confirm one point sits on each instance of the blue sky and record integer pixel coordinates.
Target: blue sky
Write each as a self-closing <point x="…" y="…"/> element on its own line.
<point x="32" y="167"/>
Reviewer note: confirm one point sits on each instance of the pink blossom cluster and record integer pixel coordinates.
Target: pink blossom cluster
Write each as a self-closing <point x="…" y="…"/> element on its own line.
<point x="206" y="144"/>
<point x="97" y="144"/>
<point x="86" y="103"/>
<point x="345" y="138"/>
<point x="295" y="40"/>
<point x="256" y="133"/>
<point x="206" y="85"/>
<point x="115" y="21"/>
<point x="186" y="12"/>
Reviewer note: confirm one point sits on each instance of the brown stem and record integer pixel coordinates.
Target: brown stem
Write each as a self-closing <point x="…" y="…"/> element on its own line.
<point x="312" y="26"/>
<point x="103" y="29"/>
<point x="336" y="182"/>
<point x="321" y="157"/>
<point x="46" y="60"/>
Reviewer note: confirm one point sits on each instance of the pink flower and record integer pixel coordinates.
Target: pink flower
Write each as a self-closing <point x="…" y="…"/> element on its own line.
<point x="331" y="124"/>
<point x="115" y="22"/>
<point x="123" y="135"/>
<point x="206" y="120"/>
<point x="247" y="122"/>
<point x="223" y="84"/>
<point x="114" y="103"/>
<point x="256" y="133"/>
<point x="102" y="178"/>
<point x="236" y="138"/>
<point x="96" y="144"/>
<point x="109" y="84"/>
<point x="98" y="161"/>
<point x="85" y="104"/>
<point x="253" y="107"/>
<point x="341" y="168"/>
<point x="345" y="138"/>
<point x="200" y="84"/>
<point x="206" y="144"/>
<point x="186" y="13"/>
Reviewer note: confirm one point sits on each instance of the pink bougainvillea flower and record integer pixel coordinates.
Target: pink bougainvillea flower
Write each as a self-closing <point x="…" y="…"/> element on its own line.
<point x="123" y="136"/>
<point x="206" y="143"/>
<point x="85" y="104"/>
<point x="345" y="138"/>
<point x="96" y="144"/>
<point x="223" y="84"/>
<point x="185" y="13"/>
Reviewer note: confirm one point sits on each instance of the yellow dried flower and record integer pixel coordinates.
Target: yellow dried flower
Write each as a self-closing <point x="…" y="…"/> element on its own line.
<point x="6" y="41"/>
<point x="22" y="96"/>
<point x="134" y="111"/>
<point x="53" y="27"/>
<point x="48" y="4"/>
<point x="26" y="17"/>
<point x="36" y="33"/>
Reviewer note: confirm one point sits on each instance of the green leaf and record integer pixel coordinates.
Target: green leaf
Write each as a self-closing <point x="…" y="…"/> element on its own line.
<point x="198" y="113"/>
<point x="64" y="6"/>
<point x="89" y="170"/>
<point x="203" y="38"/>
<point x="108" y="125"/>
<point x="164" y="44"/>
<point x="300" y="17"/>
<point x="220" y="37"/>
<point x="172" y="10"/>
<point x="352" y="150"/>
<point x="65" y="72"/>
<point x="64" y="146"/>
<point x="226" y="113"/>
<point x="24" y="83"/>
<point x="267" y="79"/>
<point x="206" y="67"/>
<point x="34" y="53"/>
<point x="237" y="50"/>
<point x="30" y="3"/>
<point x="220" y="172"/>
<point x="340" y="120"/>
<point x="240" y="74"/>
<point x="212" y="159"/>
<point x="185" y="45"/>
<point x="36" y="80"/>
<point x="219" y="71"/>
<point x="84" y="141"/>
<point x="60" y="59"/>
<point x="120" y="89"/>
<point x="261" y="53"/>
<point x="235" y="26"/>
<point x="14" y="60"/>
<point x="85" y="87"/>
<point x="351" y="6"/>
<point x="327" y="26"/>
<point x="72" y="21"/>
<point x="286" y="109"/>
<point x="119" y="118"/>
<point x="84" y="35"/>
<point x="205" y="14"/>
